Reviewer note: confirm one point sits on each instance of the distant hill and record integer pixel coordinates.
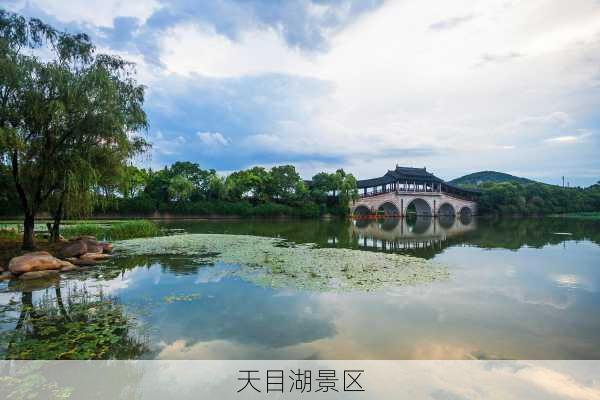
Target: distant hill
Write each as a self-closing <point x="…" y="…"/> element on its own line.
<point x="478" y="178"/>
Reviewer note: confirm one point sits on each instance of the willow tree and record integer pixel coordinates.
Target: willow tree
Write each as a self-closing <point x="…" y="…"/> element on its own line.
<point x="70" y="117"/>
<point x="104" y="111"/>
<point x="346" y="186"/>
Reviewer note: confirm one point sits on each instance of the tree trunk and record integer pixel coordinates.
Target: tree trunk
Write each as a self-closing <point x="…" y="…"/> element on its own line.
<point x="28" y="231"/>
<point x="55" y="233"/>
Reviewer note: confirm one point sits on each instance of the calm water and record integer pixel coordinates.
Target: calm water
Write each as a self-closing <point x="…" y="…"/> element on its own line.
<point x="526" y="289"/>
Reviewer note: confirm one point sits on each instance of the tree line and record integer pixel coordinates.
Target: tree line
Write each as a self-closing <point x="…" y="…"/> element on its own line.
<point x="186" y="188"/>
<point x="513" y="198"/>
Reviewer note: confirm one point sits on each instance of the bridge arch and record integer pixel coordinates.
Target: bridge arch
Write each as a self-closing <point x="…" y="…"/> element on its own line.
<point x="361" y="211"/>
<point x="419" y="225"/>
<point x="389" y="209"/>
<point x="446" y="209"/>
<point x="422" y="207"/>
<point x="446" y="221"/>
<point x="466" y="212"/>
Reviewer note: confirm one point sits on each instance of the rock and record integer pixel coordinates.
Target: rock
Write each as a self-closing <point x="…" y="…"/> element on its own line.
<point x="94" y="248"/>
<point x="4" y="276"/>
<point x="74" y="249"/>
<point x="38" y="274"/>
<point x="85" y="238"/>
<point x="35" y="261"/>
<point x="68" y="268"/>
<point x="107" y="247"/>
<point x="82" y="263"/>
<point x="95" y="256"/>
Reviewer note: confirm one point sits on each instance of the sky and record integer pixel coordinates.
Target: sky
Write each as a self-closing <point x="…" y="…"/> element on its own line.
<point x="457" y="87"/>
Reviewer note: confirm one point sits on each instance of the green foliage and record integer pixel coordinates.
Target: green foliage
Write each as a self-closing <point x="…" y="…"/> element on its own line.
<point x="478" y="178"/>
<point x="115" y="230"/>
<point x="185" y="189"/>
<point x="536" y="199"/>
<point x="68" y="121"/>
<point x="180" y="188"/>
<point x="594" y="215"/>
<point x="9" y="234"/>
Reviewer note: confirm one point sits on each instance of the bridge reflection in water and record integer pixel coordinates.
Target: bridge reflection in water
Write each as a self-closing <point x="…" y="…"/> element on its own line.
<point x="410" y="233"/>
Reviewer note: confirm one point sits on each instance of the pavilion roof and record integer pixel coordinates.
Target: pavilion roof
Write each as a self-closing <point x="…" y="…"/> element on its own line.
<point x="400" y="174"/>
<point x="410" y="174"/>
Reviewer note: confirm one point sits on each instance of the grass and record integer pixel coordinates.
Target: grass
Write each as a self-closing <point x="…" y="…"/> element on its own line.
<point x="594" y="215"/>
<point x="113" y="231"/>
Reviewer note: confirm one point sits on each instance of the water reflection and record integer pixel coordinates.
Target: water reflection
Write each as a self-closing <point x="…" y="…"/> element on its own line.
<point x="418" y="233"/>
<point x="516" y="290"/>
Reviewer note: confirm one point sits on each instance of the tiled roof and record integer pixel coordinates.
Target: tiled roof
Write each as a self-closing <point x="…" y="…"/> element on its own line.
<point x="400" y="174"/>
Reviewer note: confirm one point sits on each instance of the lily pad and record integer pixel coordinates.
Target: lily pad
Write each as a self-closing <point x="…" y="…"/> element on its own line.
<point x="278" y="263"/>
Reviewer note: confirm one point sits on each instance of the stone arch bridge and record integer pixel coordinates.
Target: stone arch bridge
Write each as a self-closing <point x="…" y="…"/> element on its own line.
<point x="394" y="193"/>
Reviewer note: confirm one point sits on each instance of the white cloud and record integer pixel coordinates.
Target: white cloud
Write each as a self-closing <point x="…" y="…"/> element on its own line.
<point x="483" y="88"/>
<point x="570" y="139"/>
<point x="99" y="13"/>
<point x="191" y="48"/>
<point x="212" y="139"/>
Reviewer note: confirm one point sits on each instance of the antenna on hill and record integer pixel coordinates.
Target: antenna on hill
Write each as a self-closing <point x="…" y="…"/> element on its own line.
<point x="563" y="178"/>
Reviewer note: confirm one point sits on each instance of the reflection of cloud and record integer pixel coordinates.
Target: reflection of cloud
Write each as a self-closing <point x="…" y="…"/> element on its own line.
<point x="571" y="281"/>
<point x="557" y="383"/>
<point x="115" y="285"/>
<point x="226" y="350"/>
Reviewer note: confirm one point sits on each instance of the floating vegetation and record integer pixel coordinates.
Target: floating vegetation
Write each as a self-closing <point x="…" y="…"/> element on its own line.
<point x="181" y="298"/>
<point x="278" y="263"/>
<point x="83" y="326"/>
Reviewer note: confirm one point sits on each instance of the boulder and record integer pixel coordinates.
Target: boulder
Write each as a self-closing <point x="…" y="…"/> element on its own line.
<point x="82" y="263"/>
<point x="74" y="249"/>
<point x="38" y="274"/>
<point x="94" y="248"/>
<point x="4" y="276"/>
<point x="68" y="268"/>
<point x="85" y="238"/>
<point x="95" y="256"/>
<point x="35" y="261"/>
<point x="107" y="247"/>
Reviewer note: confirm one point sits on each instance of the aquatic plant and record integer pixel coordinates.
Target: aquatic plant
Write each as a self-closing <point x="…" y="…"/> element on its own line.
<point x="84" y="326"/>
<point x="278" y="263"/>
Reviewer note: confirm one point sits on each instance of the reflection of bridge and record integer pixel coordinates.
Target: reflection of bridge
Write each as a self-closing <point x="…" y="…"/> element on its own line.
<point x="393" y="234"/>
<point x="401" y="190"/>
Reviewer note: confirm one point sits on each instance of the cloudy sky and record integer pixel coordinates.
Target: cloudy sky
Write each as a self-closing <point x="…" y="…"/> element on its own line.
<point x="457" y="86"/>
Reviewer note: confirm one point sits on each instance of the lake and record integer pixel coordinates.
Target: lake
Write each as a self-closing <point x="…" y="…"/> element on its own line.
<point x="486" y="289"/>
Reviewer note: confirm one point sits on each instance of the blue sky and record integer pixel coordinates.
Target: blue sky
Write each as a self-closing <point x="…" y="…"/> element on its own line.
<point x="456" y="86"/>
